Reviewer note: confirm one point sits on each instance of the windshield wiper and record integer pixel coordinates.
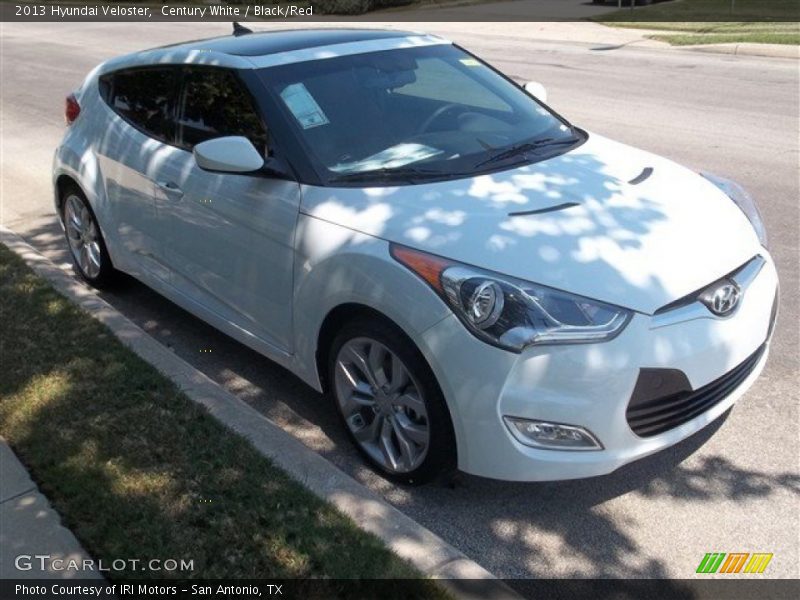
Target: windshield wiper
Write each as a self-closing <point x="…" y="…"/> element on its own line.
<point x="410" y="174"/>
<point x="527" y="147"/>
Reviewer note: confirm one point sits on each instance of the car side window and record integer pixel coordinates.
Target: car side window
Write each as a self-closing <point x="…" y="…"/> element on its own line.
<point x="144" y="98"/>
<point x="214" y="103"/>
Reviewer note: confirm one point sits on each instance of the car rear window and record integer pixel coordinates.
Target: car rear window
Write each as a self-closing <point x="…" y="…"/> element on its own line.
<point x="144" y="98"/>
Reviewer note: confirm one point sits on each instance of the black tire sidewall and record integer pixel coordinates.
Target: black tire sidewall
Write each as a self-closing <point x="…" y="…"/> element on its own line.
<point x="441" y="457"/>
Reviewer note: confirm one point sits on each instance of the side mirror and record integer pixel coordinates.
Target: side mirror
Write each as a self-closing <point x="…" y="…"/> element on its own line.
<point x="233" y="154"/>
<point x="537" y="90"/>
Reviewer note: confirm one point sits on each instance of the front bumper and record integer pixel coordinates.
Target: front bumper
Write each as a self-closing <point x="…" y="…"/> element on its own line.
<point x="591" y="385"/>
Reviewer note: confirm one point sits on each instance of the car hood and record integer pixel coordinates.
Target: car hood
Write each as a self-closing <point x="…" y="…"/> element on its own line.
<point x="605" y="221"/>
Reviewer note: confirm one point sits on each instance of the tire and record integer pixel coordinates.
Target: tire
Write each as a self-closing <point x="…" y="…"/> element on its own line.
<point x="90" y="257"/>
<point x="400" y="424"/>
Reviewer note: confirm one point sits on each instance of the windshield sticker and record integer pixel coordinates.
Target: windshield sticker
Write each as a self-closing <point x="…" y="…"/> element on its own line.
<point x="303" y="106"/>
<point x="469" y="62"/>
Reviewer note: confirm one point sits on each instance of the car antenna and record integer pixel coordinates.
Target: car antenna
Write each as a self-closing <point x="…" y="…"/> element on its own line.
<point x="240" y="29"/>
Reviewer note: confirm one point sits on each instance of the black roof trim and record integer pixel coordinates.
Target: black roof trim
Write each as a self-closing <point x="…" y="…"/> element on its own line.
<point x="287" y="40"/>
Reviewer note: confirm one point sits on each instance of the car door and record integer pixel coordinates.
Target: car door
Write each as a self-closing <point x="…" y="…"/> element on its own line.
<point x="136" y="140"/>
<point x="230" y="237"/>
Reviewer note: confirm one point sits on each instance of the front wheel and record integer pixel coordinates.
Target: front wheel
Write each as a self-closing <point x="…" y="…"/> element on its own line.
<point x="390" y="402"/>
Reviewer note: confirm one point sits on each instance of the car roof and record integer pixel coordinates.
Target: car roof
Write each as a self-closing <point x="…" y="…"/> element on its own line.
<point x="270" y="48"/>
<point x="287" y="40"/>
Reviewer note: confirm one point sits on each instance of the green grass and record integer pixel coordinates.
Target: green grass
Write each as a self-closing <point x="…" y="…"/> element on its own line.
<point x="682" y="33"/>
<point x="709" y="10"/>
<point x="687" y="22"/>
<point x="767" y="37"/>
<point x="137" y="470"/>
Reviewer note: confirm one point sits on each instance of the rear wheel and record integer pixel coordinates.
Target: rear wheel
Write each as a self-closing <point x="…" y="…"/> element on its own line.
<point x="390" y="403"/>
<point x="86" y="244"/>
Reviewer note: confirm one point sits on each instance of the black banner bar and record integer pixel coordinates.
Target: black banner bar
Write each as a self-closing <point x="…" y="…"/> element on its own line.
<point x="309" y="11"/>
<point x="742" y="587"/>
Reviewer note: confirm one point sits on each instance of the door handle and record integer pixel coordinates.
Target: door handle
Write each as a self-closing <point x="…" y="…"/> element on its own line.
<point x="170" y="188"/>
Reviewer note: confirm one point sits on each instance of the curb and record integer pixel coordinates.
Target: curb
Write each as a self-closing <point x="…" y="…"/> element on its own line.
<point x="733" y="48"/>
<point x="408" y="539"/>
<point x="748" y="49"/>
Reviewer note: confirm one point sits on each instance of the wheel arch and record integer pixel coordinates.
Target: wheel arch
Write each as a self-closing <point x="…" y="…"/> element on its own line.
<point x="63" y="182"/>
<point x="333" y="323"/>
<point x="344" y="313"/>
<point x="65" y="179"/>
<point x="337" y="317"/>
<point x="77" y="164"/>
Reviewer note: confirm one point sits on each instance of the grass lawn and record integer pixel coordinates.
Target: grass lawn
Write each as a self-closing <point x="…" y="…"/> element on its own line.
<point x="710" y="10"/>
<point x="699" y="21"/>
<point x="744" y="35"/>
<point x="137" y="470"/>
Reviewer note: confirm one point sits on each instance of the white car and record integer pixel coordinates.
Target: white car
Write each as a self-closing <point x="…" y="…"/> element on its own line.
<point x="476" y="282"/>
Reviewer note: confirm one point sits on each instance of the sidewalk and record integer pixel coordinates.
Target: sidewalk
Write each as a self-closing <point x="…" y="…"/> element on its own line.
<point x="30" y="528"/>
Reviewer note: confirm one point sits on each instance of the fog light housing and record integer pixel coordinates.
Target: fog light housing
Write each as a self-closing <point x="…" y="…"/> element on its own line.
<point x="551" y="436"/>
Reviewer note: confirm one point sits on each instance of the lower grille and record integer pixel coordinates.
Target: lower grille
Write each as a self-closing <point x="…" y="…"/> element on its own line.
<point x="663" y="398"/>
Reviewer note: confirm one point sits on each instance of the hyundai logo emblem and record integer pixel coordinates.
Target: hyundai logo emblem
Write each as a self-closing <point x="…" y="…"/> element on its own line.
<point x="722" y="298"/>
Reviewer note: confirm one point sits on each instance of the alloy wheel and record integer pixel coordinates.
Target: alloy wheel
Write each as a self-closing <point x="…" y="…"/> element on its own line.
<point x="382" y="405"/>
<point x="82" y="234"/>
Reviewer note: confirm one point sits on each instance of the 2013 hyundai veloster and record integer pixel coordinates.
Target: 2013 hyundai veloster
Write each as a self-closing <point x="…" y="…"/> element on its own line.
<point x="478" y="283"/>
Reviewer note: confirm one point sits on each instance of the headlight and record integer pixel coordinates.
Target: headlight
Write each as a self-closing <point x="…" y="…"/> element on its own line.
<point x="744" y="201"/>
<point x="511" y="313"/>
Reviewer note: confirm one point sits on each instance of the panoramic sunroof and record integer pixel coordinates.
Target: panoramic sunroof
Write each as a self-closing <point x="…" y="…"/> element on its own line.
<point x="259" y="44"/>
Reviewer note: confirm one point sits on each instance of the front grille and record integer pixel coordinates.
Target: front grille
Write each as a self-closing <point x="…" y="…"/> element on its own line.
<point x="663" y="399"/>
<point x="757" y="260"/>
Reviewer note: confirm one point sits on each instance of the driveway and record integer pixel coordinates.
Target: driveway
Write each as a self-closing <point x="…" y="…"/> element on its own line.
<point x="734" y="487"/>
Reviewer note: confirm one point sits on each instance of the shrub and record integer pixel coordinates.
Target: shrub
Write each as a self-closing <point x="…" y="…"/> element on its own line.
<point x="358" y="7"/>
<point x="347" y="7"/>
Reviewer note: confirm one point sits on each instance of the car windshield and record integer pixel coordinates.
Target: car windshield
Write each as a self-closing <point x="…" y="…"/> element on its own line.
<point x="411" y="114"/>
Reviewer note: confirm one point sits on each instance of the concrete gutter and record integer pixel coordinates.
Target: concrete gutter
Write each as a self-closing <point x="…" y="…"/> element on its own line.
<point x="408" y="539"/>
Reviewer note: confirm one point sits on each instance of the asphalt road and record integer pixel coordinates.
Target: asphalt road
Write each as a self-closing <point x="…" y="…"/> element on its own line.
<point x="734" y="487"/>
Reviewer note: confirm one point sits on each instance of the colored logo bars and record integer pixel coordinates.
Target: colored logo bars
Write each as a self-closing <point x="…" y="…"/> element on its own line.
<point x="735" y="562"/>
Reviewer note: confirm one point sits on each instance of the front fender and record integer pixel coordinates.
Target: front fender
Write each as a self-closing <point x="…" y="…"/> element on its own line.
<point x="335" y="266"/>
